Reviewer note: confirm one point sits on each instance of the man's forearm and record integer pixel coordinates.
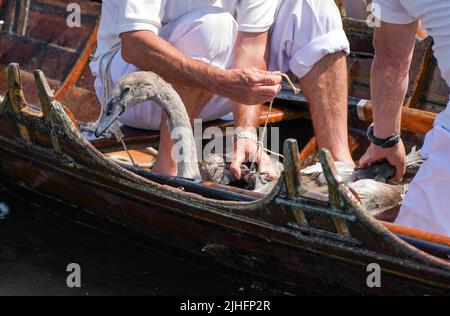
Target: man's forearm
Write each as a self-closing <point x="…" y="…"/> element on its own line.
<point x="251" y="50"/>
<point x="394" y="46"/>
<point x="388" y="93"/>
<point x="149" y="52"/>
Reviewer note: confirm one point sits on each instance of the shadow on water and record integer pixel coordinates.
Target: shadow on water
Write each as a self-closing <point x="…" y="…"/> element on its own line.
<point x="36" y="247"/>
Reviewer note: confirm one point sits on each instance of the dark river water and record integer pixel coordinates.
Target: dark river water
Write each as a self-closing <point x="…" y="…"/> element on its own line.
<point x="36" y="246"/>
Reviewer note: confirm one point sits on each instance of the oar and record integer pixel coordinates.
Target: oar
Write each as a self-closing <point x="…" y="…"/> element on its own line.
<point x="413" y="120"/>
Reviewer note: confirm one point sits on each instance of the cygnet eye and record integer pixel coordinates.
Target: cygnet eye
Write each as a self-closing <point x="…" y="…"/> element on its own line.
<point x="125" y="91"/>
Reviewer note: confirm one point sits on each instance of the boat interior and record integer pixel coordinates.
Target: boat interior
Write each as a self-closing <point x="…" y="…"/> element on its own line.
<point x="34" y="35"/>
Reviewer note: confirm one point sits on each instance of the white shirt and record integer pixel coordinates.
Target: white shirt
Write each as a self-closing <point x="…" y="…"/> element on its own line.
<point x="435" y="16"/>
<point x="120" y="16"/>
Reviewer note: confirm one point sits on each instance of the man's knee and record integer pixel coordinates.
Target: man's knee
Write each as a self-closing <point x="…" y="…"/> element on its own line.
<point x="215" y="20"/>
<point x="214" y="32"/>
<point x="315" y="31"/>
<point x="219" y="31"/>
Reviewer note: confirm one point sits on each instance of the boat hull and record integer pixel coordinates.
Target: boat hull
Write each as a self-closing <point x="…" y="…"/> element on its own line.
<point x="263" y="250"/>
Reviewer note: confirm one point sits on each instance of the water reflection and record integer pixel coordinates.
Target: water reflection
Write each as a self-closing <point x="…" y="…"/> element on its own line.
<point x="37" y="245"/>
<point x="4" y="210"/>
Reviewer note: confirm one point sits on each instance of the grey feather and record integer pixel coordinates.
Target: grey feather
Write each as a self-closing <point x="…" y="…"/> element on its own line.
<point x="370" y="184"/>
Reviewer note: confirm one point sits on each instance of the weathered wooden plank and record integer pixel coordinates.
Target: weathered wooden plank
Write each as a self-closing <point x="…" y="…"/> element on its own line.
<point x="50" y="25"/>
<point x="32" y="54"/>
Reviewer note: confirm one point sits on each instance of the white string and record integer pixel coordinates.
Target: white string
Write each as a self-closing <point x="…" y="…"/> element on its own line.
<point x="127" y="151"/>
<point x="293" y="87"/>
<point x="260" y="143"/>
<point x="128" y="162"/>
<point x="268" y="151"/>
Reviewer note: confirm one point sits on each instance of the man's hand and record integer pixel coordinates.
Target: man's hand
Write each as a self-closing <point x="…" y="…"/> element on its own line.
<point x="396" y="156"/>
<point x="246" y="150"/>
<point x="249" y="86"/>
<point x="394" y="47"/>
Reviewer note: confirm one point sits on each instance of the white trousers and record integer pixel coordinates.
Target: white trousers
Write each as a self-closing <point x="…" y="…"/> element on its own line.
<point x="304" y="32"/>
<point x="427" y="204"/>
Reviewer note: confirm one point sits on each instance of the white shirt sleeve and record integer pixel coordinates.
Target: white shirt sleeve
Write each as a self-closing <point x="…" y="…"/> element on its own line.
<point x="256" y="16"/>
<point x="140" y="15"/>
<point x="391" y="11"/>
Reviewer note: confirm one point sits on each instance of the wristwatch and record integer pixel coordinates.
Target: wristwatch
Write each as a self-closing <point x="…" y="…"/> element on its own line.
<point x="253" y="136"/>
<point x="383" y="143"/>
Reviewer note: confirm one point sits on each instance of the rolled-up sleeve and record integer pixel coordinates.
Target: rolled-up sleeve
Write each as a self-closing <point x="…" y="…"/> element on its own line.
<point x="140" y="15"/>
<point x="256" y="16"/>
<point x="304" y="33"/>
<point x="391" y="11"/>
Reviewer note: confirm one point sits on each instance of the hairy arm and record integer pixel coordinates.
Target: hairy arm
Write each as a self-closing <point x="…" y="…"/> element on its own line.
<point x="150" y="52"/>
<point x="394" y="47"/>
<point x="251" y="51"/>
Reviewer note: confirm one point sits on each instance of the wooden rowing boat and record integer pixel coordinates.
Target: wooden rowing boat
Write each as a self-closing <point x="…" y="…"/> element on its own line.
<point x="288" y="236"/>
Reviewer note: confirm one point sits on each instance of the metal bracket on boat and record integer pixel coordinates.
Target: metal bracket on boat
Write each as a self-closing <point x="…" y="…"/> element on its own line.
<point x="341" y="197"/>
<point x="300" y="204"/>
<point x="16" y="97"/>
<point x="292" y="174"/>
<point x="23" y="117"/>
<point x="45" y="94"/>
<point x="15" y="90"/>
<point x="292" y="168"/>
<point x="48" y="100"/>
